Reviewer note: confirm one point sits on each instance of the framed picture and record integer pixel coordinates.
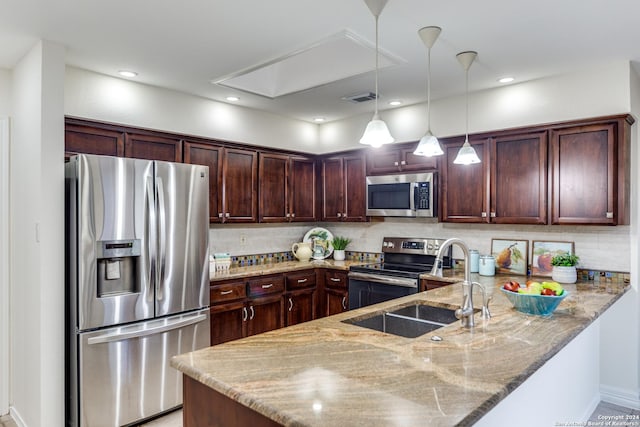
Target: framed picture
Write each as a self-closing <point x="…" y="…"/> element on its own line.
<point x="543" y="252"/>
<point x="510" y="255"/>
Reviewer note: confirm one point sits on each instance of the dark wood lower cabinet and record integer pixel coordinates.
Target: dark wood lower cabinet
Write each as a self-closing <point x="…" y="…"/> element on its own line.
<point x="204" y="406"/>
<point x="336" y="301"/>
<point x="227" y="322"/>
<point x="300" y="306"/>
<point x="265" y="314"/>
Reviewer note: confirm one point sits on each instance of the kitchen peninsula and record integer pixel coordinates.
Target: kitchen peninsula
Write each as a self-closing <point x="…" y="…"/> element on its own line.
<point x="327" y="372"/>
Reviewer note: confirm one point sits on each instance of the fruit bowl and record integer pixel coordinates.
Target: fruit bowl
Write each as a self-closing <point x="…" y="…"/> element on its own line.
<point x="537" y="305"/>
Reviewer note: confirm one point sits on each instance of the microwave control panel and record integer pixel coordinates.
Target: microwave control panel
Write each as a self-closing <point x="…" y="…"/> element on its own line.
<point x="422" y="195"/>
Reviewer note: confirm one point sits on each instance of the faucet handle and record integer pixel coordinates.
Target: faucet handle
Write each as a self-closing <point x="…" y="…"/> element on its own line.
<point x="486" y="299"/>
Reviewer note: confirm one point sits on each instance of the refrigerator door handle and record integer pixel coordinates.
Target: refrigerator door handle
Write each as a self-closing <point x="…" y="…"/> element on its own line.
<point x="119" y="336"/>
<point x="150" y="237"/>
<point x="162" y="237"/>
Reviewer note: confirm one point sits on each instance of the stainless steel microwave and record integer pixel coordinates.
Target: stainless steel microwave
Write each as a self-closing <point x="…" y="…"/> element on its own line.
<point x="408" y="195"/>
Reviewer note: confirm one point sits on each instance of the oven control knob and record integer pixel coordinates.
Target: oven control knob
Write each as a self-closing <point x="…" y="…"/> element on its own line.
<point x="429" y="246"/>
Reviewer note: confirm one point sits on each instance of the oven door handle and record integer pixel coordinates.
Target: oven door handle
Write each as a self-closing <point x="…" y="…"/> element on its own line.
<point x="387" y="280"/>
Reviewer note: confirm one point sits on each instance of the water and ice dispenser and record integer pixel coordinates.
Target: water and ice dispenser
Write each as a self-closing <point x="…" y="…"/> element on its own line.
<point x="117" y="267"/>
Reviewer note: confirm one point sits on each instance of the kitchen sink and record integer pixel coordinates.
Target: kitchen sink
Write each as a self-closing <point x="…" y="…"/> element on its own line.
<point x="410" y="321"/>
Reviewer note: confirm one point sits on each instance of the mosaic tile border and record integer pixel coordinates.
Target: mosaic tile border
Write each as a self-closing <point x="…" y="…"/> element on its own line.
<point x="275" y="257"/>
<point x="597" y="276"/>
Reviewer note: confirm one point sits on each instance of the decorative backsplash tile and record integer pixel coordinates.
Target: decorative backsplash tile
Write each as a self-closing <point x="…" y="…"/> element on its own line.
<point x="275" y="257"/>
<point x="597" y="276"/>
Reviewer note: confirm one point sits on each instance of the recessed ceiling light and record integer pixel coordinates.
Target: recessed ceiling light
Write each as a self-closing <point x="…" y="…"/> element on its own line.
<point x="232" y="98"/>
<point x="506" y="79"/>
<point x="127" y="73"/>
<point x="395" y="102"/>
<point x="319" y="119"/>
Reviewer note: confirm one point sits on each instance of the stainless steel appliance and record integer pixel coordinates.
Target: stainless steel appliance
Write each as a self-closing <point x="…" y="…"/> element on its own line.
<point x="405" y="259"/>
<point x="410" y="195"/>
<point x="137" y="284"/>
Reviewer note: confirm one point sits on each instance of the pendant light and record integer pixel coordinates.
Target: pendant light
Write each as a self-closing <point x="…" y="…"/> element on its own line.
<point x="377" y="132"/>
<point x="429" y="145"/>
<point x="467" y="155"/>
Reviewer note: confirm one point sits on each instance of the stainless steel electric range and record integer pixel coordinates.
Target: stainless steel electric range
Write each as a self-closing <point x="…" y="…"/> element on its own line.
<point x="405" y="259"/>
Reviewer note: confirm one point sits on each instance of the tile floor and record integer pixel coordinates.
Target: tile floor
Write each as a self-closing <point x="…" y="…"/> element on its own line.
<point x="174" y="419"/>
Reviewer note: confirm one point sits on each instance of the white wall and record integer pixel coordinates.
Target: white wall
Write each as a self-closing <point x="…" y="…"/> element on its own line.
<point x="96" y="96"/>
<point x="5" y="92"/>
<point x="37" y="238"/>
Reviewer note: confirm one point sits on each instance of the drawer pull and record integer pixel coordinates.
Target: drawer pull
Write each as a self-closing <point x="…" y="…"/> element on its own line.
<point x="270" y="285"/>
<point x="290" y="304"/>
<point x="302" y="280"/>
<point x="226" y="292"/>
<point x="245" y="315"/>
<point x="334" y="279"/>
<point x="253" y="313"/>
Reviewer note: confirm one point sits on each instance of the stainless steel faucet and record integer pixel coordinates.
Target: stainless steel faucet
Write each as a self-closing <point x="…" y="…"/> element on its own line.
<point x="465" y="312"/>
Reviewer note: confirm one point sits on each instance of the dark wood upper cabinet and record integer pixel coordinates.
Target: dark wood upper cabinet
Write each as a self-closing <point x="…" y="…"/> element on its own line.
<point x="390" y="159"/>
<point x="239" y="185"/>
<point x="152" y="147"/>
<point x="93" y="140"/>
<point x="211" y="156"/>
<point x="590" y="173"/>
<point x="465" y="188"/>
<point x="344" y="188"/>
<point x="287" y="187"/>
<point x="519" y="179"/>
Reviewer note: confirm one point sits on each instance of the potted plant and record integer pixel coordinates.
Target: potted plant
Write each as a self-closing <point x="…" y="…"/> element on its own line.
<point x="564" y="268"/>
<point x="339" y="244"/>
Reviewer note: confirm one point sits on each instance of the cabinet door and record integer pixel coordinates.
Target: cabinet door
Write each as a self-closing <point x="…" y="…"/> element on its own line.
<point x="336" y="301"/>
<point x="583" y="176"/>
<point x="412" y="163"/>
<point x="152" y="147"/>
<point x="302" y="186"/>
<point x="383" y="160"/>
<point x="92" y="140"/>
<point x="465" y="188"/>
<point x="519" y="179"/>
<point x="208" y="155"/>
<point x="355" y="208"/>
<point x="273" y="190"/>
<point x="240" y="185"/>
<point x="300" y="306"/>
<point x="332" y="189"/>
<point x="228" y="321"/>
<point x="265" y="314"/>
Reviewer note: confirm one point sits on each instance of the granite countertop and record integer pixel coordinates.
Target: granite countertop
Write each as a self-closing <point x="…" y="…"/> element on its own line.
<point x="326" y="372"/>
<point x="280" y="267"/>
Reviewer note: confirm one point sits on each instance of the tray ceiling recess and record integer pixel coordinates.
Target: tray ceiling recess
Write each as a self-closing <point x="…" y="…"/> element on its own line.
<point x="329" y="60"/>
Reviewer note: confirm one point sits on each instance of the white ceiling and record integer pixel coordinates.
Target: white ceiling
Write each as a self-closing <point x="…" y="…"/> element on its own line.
<point x="184" y="45"/>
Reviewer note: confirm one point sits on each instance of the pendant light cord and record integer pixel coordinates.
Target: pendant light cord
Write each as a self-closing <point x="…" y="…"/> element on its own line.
<point x="429" y="90"/>
<point x="376" y="114"/>
<point x="466" y="100"/>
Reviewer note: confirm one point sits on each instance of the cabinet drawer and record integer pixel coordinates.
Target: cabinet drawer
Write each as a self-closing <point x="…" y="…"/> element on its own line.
<point x="303" y="279"/>
<point x="266" y="285"/>
<point x="335" y="279"/>
<point x="227" y="292"/>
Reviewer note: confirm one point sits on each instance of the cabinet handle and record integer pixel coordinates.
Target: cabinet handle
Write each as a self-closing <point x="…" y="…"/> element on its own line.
<point x="483" y="214"/>
<point x="609" y="215"/>
<point x="244" y="314"/>
<point x="225" y="292"/>
<point x="344" y="303"/>
<point x="253" y="313"/>
<point x="290" y="304"/>
<point x="344" y="215"/>
<point x="288" y="215"/>
<point x="395" y="163"/>
<point x="302" y="280"/>
<point x="403" y="163"/>
<point x="270" y="285"/>
<point x="220" y="215"/>
<point x="293" y="215"/>
<point x="493" y="214"/>
<point x="227" y="214"/>
<point x="334" y="279"/>
<point x="339" y="214"/>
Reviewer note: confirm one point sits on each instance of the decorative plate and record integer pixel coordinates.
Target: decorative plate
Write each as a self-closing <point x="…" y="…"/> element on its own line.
<point x="320" y="239"/>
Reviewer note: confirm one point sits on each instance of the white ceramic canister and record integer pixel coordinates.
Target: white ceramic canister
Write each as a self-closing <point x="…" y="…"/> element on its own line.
<point x="487" y="265"/>
<point x="474" y="260"/>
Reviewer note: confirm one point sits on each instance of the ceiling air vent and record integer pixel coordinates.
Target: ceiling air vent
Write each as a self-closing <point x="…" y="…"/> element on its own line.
<point x="361" y="97"/>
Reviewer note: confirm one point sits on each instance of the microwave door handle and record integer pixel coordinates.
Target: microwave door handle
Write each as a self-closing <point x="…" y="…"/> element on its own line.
<point x="414" y="196"/>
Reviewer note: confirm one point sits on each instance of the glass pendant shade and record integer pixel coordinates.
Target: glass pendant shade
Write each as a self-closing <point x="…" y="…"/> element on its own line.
<point x="376" y="133"/>
<point x="428" y="146"/>
<point x="467" y="155"/>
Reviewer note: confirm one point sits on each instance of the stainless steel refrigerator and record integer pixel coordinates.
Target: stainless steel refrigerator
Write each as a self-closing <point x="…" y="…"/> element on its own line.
<point x="137" y="279"/>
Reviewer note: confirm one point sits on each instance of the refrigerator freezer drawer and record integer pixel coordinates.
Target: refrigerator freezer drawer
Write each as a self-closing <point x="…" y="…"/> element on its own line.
<point x="124" y="371"/>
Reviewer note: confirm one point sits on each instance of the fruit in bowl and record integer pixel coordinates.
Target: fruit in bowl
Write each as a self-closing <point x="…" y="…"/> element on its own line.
<point x="537" y="298"/>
